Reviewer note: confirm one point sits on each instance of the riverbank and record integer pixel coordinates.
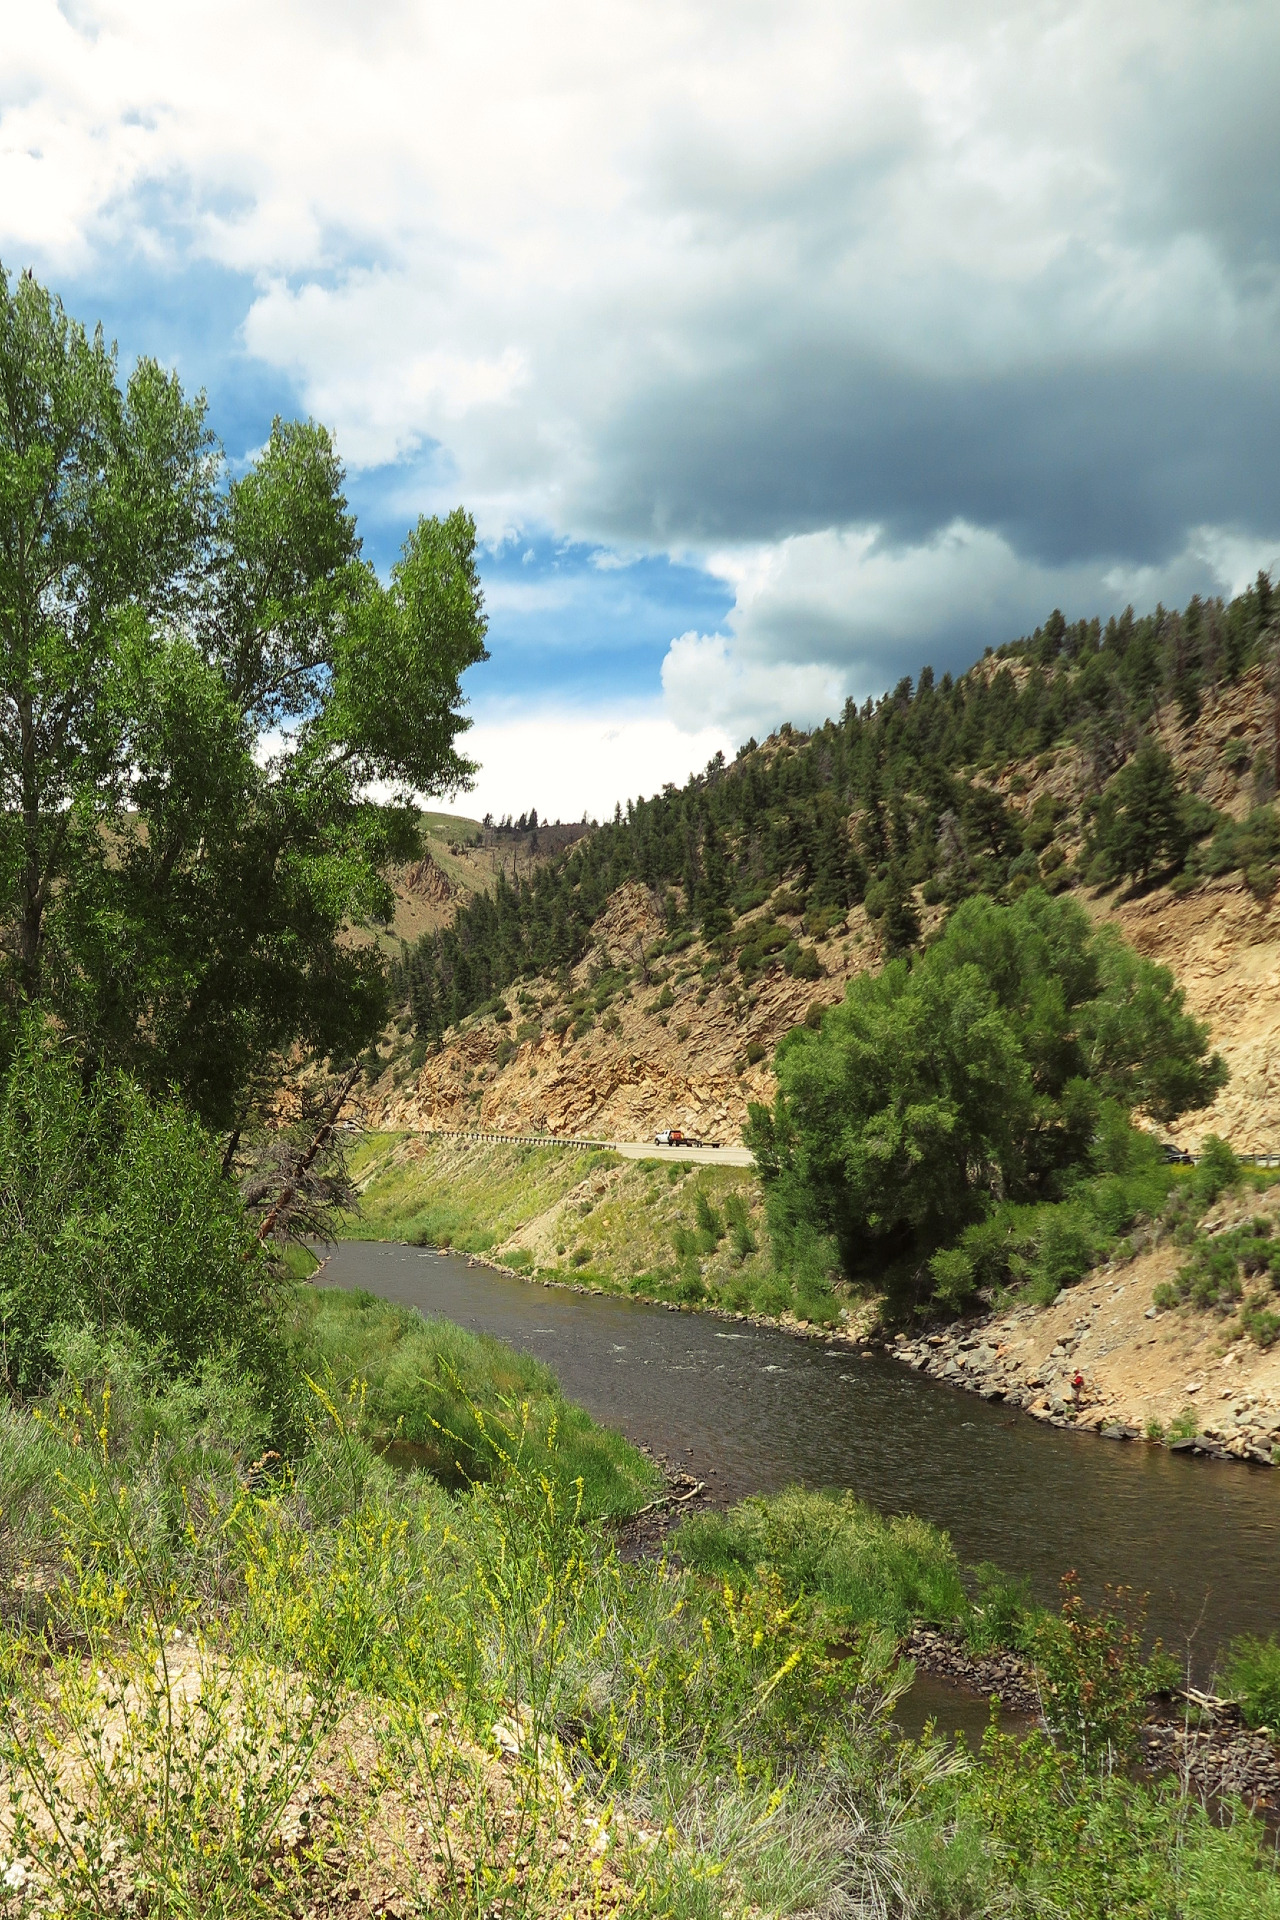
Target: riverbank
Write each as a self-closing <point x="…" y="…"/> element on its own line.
<point x="1177" y="1374"/>
<point x="326" y="1686"/>
<point x="665" y="1230"/>
<point x="1172" y="1375"/>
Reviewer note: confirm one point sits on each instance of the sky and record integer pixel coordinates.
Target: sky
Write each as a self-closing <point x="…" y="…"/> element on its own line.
<point x="777" y="349"/>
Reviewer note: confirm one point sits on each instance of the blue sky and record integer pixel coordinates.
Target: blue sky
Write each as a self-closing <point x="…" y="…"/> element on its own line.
<point x="777" y="348"/>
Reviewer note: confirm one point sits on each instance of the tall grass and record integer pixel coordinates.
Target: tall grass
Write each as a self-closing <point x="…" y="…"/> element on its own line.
<point x="442" y="1398"/>
<point x="468" y="1704"/>
<point x="869" y="1568"/>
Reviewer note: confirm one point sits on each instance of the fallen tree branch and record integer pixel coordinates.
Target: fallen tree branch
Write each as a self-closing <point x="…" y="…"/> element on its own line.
<point x="289" y="1191"/>
<point x="667" y="1500"/>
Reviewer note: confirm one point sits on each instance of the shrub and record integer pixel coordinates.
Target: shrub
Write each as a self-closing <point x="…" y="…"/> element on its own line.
<point x="871" y="1570"/>
<point x="1095" y="1680"/>
<point x="1066" y="1250"/>
<point x="709" y="1221"/>
<point x="954" y="1284"/>
<point x="1003" y="1614"/>
<point x="114" y="1213"/>
<point x="802" y="963"/>
<point x="756" y="1051"/>
<point x="1217" y="1170"/>
<point x="1251" y="1675"/>
<point x="743" y="1239"/>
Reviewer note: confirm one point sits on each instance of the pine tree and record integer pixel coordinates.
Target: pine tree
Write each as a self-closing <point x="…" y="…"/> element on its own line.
<point x="901" y="924"/>
<point x="1141" y="823"/>
<point x="713" y="887"/>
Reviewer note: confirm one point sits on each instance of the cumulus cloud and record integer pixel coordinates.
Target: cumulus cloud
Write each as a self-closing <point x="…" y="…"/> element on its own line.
<point x="821" y="617"/>
<point x="570" y="764"/>
<point x="909" y="322"/>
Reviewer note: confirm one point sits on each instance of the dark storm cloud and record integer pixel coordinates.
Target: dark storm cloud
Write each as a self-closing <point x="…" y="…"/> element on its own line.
<point x="1066" y="460"/>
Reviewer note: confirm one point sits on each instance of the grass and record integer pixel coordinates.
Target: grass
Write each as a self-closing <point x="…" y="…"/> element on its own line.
<point x="350" y="1690"/>
<point x="433" y="1394"/>
<point x="665" y="1231"/>
<point x="1250" y="1673"/>
<point x="871" y="1570"/>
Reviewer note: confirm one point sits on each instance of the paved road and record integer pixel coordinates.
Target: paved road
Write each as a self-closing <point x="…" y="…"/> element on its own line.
<point x="709" y="1156"/>
<point x="726" y="1156"/>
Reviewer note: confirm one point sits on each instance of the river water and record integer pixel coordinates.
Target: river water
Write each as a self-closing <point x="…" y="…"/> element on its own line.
<point x="751" y="1410"/>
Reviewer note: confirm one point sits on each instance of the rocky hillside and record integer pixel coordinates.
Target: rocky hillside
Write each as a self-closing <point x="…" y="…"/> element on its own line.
<point x="1181" y="1376"/>
<point x="460" y="858"/>
<point x="637" y="1036"/>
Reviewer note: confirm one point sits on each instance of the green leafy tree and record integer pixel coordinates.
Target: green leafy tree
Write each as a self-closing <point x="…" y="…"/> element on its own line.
<point x="200" y="680"/>
<point x="978" y="1074"/>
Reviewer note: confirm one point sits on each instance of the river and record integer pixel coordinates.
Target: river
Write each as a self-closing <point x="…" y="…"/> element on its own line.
<point x="750" y="1410"/>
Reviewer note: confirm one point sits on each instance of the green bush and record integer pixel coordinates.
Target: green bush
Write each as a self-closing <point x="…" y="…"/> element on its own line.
<point x="114" y="1214"/>
<point x="1215" y="1274"/>
<point x="1003" y="1613"/>
<point x="1007" y="1057"/>
<point x="1217" y="1170"/>
<point x="740" y="1233"/>
<point x="1250" y="1673"/>
<point x="869" y="1569"/>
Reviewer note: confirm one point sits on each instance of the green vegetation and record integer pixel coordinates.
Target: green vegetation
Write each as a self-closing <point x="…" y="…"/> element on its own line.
<point x="199" y="679"/>
<point x="114" y="1216"/>
<point x="429" y="1392"/>
<point x="467" y="1698"/>
<point x="590" y="1217"/>
<point x="1232" y="1270"/>
<point x="896" y="800"/>
<point x="961" y="1120"/>
<point x="869" y="1570"/>
<point x="1250" y="1674"/>
<point x="1143" y="821"/>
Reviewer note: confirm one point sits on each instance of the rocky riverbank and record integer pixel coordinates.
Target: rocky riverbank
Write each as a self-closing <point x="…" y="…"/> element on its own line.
<point x="1180" y="1376"/>
<point x="1197" y="1735"/>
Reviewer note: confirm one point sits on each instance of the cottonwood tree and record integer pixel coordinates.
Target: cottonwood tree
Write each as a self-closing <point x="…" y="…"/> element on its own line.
<point x="982" y="1072"/>
<point x="201" y="680"/>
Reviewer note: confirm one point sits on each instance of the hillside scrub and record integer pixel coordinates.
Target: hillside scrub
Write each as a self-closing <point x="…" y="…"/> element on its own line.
<point x="996" y="1070"/>
<point x="1232" y="1269"/>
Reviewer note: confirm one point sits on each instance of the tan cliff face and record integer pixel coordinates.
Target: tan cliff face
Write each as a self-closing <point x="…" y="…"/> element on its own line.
<point x="686" y="1065"/>
<point x="689" y="1065"/>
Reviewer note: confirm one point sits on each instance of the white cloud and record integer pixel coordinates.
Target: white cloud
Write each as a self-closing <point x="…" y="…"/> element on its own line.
<point x="567" y="763"/>
<point x="911" y="320"/>
<point x="823" y="616"/>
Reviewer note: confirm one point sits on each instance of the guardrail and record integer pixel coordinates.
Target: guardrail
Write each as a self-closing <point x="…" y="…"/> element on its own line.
<point x="517" y="1139"/>
<point x="583" y="1144"/>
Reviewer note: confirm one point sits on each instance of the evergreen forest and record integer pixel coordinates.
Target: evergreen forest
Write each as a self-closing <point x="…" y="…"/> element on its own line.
<point x="896" y="802"/>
